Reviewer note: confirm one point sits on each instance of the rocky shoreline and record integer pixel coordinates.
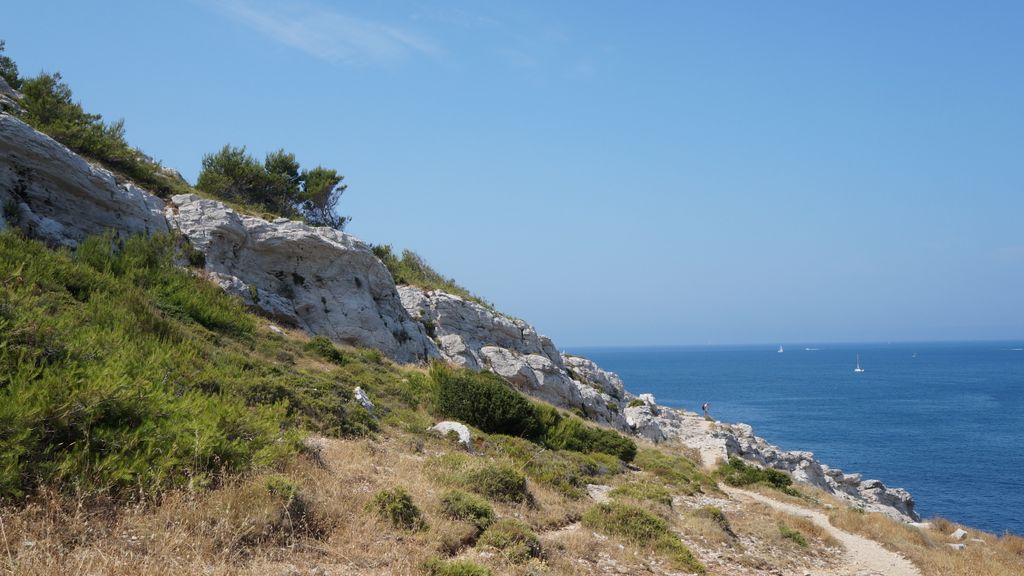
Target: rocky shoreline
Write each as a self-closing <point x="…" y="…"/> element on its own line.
<point x="330" y="283"/>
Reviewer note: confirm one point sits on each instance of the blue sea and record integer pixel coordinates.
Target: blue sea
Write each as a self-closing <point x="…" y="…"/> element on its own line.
<point x="943" y="420"/>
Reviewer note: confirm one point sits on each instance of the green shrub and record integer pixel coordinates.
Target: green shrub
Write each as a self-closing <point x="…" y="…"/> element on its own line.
<point x="736" y="472"/>
<point x="281" y="486"/>
<point x="572" y="433"/>
<point x="496" y="481"/>
<point x="499" y="482"/>
<point x="513" y="538"/>
<point x="412" y="270"/>
<point x="644" y="491"/>
<point x="324" y="348"/>
<point x="148" y="262"/>
<point x="437" y="567"/>
<point x="458" y="505"/>
<point x="636" y="402"/>
<point x="678" y="471"/>
<point x="396" y="506"/>
<point x="568" y="472"/>
<point x="484" y="400"/>
<point x="792" y="534"/>
<point x="641" y="528"/>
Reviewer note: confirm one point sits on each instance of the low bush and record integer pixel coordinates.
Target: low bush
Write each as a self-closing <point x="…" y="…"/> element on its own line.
<point x="437" y="567"/>
<point x="568" y="472"/>
<point x="499" y="482"/>
<point x="514" y="539"/>
<point x="397" y="507"/>
<point x="572" y="433"/>
<point x="324" y="348"/>
<point x="458" y="505"/>
<point x="644" y="491"/>
<point x="494" y="480"/>
<point x="792" y="534"/>
<point x="484" y="400"/>
<point x="736" y="472"/>
<point x="641" y="528"/>
<point x="680" y="472"/>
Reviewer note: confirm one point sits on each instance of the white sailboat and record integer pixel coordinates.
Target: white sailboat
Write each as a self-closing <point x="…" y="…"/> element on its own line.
<point x="780" y="349"/>
<point x="858" y="369"/>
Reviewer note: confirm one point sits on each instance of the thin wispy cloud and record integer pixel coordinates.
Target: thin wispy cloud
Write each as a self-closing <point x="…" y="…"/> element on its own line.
<point x="326" y="33"/>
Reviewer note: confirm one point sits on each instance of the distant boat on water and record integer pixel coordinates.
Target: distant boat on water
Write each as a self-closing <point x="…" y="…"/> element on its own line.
<point x="780" y="349"/>
<point x="858" y="369"/>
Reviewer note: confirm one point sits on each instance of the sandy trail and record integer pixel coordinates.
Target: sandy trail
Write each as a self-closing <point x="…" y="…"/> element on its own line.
<point x="863" y="557"/>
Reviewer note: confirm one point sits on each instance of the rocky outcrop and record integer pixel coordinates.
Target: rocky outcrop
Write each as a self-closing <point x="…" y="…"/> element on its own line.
<point x="587" y="371"/>
<point x="55" y="195"/>
<point x="320" y="280"/>
<point x="716" y="441"/>
<point x="474" y="336"/>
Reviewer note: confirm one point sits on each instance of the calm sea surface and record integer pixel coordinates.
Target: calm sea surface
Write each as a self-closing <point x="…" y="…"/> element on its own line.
<point x="943" y="420"/>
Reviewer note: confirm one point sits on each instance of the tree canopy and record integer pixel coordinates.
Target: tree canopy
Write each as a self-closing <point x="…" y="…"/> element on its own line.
<point x="278" y="184"/>
<point x="8" y="69"/>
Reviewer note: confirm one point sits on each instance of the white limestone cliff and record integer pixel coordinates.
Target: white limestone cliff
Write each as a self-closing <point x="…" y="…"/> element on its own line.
<point x="474" y="336"/>
<point x="320" y="280"/>
<point x="56" y="196"/>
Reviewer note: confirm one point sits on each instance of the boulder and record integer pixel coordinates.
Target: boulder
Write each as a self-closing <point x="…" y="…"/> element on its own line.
<point x="360" y="395"/>
<point x="317" y="279"/>
<point x="449" y="426"/>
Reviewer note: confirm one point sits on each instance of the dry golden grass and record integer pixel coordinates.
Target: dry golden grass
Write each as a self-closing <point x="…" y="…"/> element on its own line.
<point x="928" y="549"/>
<point x="760" y="545"/>
<point x="245" y="528"/>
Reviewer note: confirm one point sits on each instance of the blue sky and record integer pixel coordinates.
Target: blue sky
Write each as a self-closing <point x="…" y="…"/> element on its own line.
<point x="617" y="173"/>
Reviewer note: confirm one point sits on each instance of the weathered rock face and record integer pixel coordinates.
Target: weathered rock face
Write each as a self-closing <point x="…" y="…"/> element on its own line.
<point x="320" y="280"/>
<point x="58" y="197"/>
<point x="587" y="371"/>
<point x="476" y="337"/>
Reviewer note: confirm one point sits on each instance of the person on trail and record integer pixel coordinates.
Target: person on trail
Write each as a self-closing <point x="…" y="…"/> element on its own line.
<point x="705" y="408"/>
